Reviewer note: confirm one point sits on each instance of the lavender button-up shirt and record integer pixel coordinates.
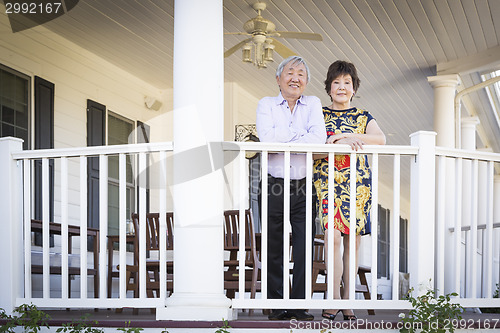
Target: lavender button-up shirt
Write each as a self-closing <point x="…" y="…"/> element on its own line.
<point x="277" y="123"/>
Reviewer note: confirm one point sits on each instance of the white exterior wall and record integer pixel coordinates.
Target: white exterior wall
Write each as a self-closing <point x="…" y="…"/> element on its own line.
<point x="239" y="109"/>
<point x="78" y="75"/>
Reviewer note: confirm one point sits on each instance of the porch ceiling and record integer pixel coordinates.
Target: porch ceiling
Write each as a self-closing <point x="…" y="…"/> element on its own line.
<point x="394" y="44"/>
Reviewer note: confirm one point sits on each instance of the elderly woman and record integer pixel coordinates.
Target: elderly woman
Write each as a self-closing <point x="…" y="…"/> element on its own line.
<point x="355" y="127"/>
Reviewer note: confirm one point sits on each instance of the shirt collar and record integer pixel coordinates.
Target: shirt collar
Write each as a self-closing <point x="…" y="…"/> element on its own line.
<point x="280" y="100"/>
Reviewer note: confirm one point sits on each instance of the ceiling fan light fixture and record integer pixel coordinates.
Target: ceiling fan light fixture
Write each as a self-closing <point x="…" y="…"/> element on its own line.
<point x="262" y="65"/>
<point x="260" y="45"/>
<point x="247" y="53"/>
<point x="268" y="51"/>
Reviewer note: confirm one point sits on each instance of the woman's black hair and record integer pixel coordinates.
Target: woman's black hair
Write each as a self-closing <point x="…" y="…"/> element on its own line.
<point x="339" y="68"/>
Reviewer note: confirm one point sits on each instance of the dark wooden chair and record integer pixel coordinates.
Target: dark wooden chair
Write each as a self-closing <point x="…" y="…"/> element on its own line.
<point x="73" y="231"/>
<point x="319" y="268"/>
<point x="152" y="264"/>
<point x="252" y="254"/>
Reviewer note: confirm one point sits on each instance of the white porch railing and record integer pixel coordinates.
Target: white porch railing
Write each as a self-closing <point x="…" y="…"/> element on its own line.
<point x="429" y="257"/>
<point x="374" y="152"/>
<point x="72" y="162"/>
<point x="468" y="237"/>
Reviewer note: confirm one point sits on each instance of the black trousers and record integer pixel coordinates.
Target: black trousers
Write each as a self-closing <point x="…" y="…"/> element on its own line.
<point x="275" y="236"/>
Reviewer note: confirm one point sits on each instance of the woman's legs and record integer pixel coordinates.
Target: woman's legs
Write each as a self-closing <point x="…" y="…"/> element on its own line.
<point x="346" y="256"/>
<point x="337" y="264"/>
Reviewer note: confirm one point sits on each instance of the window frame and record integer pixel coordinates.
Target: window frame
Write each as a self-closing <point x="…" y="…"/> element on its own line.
<point x="130" y="186"/>
<point x="30" y="81"/>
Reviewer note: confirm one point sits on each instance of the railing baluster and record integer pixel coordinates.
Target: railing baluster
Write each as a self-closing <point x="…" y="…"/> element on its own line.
<point x="264" y="222"/>
<point x="352" y="227"/>
<point x="458" y="225"/>
<point x="163" y="223"/>
<point x="122" y="195"/>
<point x="27" y="167"/>
<point x="374" y="222"/>
<point x="309" y="222"/>
<point x="142" y="226"/>
<point x="242" y="252"/>
<point x="473" y="234"/>
<point x="489" y="229"/>
<point x="45" y="227"/>
<point x="440" y="213"/>
<point x="396" y="221"/>
<point x="286" y="228"/>
<point x="330" y="248"/>
<point x="103" y="223"/>
<point x="64" y="228"/>
<point x="83" y="227"/>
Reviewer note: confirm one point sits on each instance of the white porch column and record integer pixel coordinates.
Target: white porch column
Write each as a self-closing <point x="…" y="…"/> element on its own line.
<point x="198" y="182"/>
<point x="11" y="225"/>
<point x="469" y="125"/>
<point x="444" y="114"/>
<point x="422" y="210"/>
<point x="468" y="142"/>
<point x="444" y="125"/>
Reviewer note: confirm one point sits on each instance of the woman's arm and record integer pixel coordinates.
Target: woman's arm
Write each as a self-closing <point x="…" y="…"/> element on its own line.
<point x="372" y="136"/>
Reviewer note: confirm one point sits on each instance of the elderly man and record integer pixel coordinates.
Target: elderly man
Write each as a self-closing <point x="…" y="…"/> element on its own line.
<point x="289" y="117"/>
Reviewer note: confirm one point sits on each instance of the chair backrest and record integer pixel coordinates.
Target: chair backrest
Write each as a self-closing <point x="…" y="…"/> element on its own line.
<point x="319" y="245"/>
<point x="232" y="234"/>
<point x="153" y="230"/>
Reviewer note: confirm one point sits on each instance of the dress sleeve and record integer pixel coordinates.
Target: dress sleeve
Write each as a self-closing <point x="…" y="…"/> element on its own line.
<point x="369" y="118"/>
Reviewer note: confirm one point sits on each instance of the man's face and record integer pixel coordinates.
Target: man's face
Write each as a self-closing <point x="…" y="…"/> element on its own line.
<point x="293" y="80"/>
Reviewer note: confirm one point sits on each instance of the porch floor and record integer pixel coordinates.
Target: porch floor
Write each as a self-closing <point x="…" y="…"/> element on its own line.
<point x="383" y="319"/>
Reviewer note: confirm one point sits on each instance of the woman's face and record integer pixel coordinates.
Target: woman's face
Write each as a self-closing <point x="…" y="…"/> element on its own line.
<point x="341" y="91"/>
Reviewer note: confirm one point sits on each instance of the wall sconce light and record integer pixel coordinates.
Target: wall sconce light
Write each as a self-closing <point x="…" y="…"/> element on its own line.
<point x="152" y="103"/>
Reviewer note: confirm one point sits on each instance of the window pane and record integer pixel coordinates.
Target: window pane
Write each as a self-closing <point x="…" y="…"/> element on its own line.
<point x="8" y="115"/>
<point x="113" y="212"/>
<point x="22" y="117"/>
<point x="14" y="106"/>
<point x="7" y="130"/>
<point x="113" y="167"/>
<point x="119" y="130"/>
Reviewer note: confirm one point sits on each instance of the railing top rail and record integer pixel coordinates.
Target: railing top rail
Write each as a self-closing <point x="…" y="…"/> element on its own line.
<point x="467" y="154"/>
<point x="318" y="148"/>
<point x="93" y="151"/>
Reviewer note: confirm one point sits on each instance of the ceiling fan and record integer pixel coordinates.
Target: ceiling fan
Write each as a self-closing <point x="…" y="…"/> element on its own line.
<point x="261" y="32"/>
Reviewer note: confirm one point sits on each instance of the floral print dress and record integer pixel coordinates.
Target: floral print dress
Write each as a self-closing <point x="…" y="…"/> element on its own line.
<point x="352" y="120"/>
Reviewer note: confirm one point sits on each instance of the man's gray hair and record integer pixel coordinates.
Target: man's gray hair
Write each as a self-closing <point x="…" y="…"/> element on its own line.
<point x="294" y="60"/>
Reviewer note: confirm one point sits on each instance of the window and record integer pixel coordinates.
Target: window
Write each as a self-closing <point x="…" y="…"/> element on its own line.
<point x="119" y="130"/>
<point x="14" y="105"/>
<point x="493" y="92"/>
<point x="383" y="246"/>
<point x="384" y="243"/>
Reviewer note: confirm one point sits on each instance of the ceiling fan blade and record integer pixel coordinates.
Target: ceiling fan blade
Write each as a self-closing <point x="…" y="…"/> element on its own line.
<point x="284" y="51"/>
<point x="236" y="47"/>
<point x="237" y="33"/>
<point x="298" y="35"/>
